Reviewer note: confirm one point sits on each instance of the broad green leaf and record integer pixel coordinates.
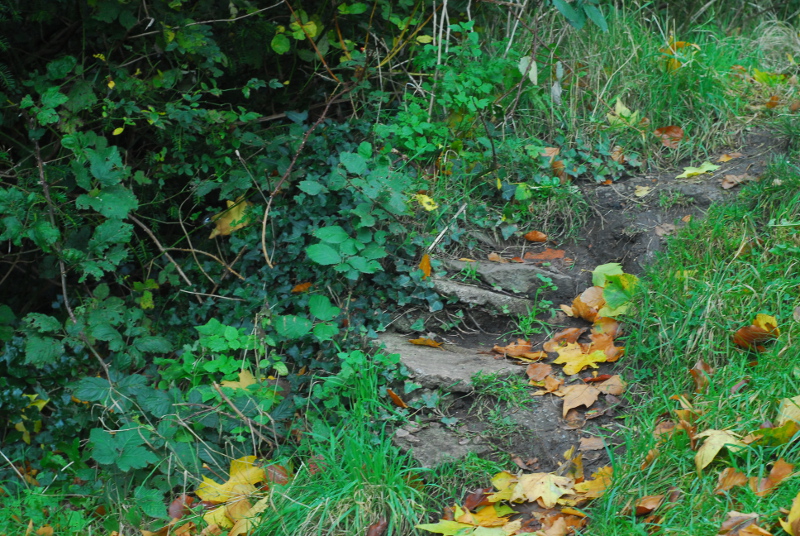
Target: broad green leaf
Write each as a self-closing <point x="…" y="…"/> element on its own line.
<point x="363" y="265"/>
<point x="325" y="331"/>
<point x="153" y="344"/>
<point x="322" y="308"/>
<point x="43" y="323"/>
<point x="151" y="501"/>
<point x="618" y="290"/>
<point x="154" y="401"/>
<point x="323" y="254"/>
<point x="599" y="274"/>
<point x="280" y="44"/>
<point x="91" y="389"/>
<point x="124" y="449"/>
<point x="292" y="326"/>
<point x="61" y="67"/>
<point x="596" y="16"/>
<point x="311" y="187"/>
<point x="354" y="163"/>
<point x="332" y="235"/>
<point x="41" y="351"/>
<point x="448" y="528"/>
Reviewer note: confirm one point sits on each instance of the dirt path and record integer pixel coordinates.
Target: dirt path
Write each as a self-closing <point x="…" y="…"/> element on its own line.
<point x="628" y="224"/>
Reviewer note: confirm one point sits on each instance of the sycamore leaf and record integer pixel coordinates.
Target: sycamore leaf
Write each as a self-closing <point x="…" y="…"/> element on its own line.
<point x="546" y="488"/>
<point x="515" y="349"/>
<point x="705" y="167"/>
<point x="574" y="360"/>
<point x="792" y="523"/>
<point x="789" y="410"/>
<point x="779" y="472"/>
<point x="563" y="337"/>
<point x="233" y="218"/>
<point x="448" y="528"/>
<point x="579" y="395"/>
<point x="426" y="202"/>
<point x="244" y="474"/>
<point x="592" y="489"/>
<point x="715" y="440"/>
<point x="728" y="479"/>
<point x="246" y="379"/>
<point x="588" y="303"/>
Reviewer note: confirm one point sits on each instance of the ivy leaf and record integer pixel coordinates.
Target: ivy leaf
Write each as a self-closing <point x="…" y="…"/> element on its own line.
<point x="323" y="254"/>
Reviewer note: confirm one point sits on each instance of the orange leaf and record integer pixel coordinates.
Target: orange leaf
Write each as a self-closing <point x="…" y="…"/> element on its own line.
<point x="515" y="348"/>
<point x="546" y="255"/>
<point x="578" y="395"/>
<point x="652" y="454"/>
<point x="495" y="257"/>
<point x="773" y="102"/>
<point x="538" y="371"/>
<point x="764" y="486"/>
<point x="301" y="287"/>
<point x="180" y="506"/>
<point x="396" y="399"/>
<point x="728" y="479"/>
<point x="562" y="338"/>
<point x="750" y="337"/>
<point x="588" y="303"/>
<point x="670" y="136"/>
<point x="425" y="266"/>
<point x="729" y="156"/>
<point x="648" y="504"/>
<point x="422" y="341"/>
<point x="536" y="236"/>
<point x="700" y="374"/>
<point x="618" y="154"/>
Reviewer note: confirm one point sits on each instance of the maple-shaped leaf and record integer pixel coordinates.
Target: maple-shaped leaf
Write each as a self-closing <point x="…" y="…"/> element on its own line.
<point x="618" y="292"/>
<point x="546" y="488"/>
<point x="246" y="379"/>
<point x="249" y="519"/>
<point x="670" y="136"/>
<point x="729" y="478"/>
<point x="575" y="361"/>
<point x="562" y="338"/>
<point x="579" y="395"/>
<point x="235" y="217"/>
<point x="515" y="349"/>
<point x="705" y="167"/>
<point x="244" y="474"/>
<point x="715" y="440"/>
<point x="789" y="410"/>
<point x="538" y="371"/>
<point x="601" y="480"/>
<point x="447" y="528"/>
<point x="612" y="386"/>
<point x="792" y="523"/>
<point x="493" y="515"/>
<point x="779" y="472"/>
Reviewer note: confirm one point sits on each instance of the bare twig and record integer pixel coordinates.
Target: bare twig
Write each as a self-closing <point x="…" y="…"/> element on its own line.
<point x="209" y="21"/>
<point x="250" y="422"/>
<point x="211" y="295"/>
<point x="201" y="252"/>
<point x="147" y="230"/>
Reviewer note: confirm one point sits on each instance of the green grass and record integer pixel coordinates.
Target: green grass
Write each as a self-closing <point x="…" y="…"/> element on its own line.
<point x="694" y="298"/>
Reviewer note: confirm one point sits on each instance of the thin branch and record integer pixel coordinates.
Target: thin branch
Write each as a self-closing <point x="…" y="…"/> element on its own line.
<point x="310" y="40"/>
<point x="147" y="230"/>
<point x="201" y="252"/>
<point x="250" y="422"/>
<point x="209" y="21"/>
<point x="210" y="295"/>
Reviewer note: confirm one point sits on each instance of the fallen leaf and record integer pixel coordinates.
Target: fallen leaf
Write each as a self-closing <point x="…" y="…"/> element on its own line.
<point x="563" y="337"/>
<point x="425" y="266"/>
<point x="445" y="527"/>
<point x="673" y="58"/>
<point x="647" y="505"/>
<point x="729" y="478"/>
<point x="773" y="102"/>
<point x="588" y="303"/>
<point x="538" y="371"/>
<point x="246" y="379"/>
<point x="569" y="312"/>
<point x="715" y="440"/>
<point x="618" y="154"/>
<point x="495" y="257"/>
<point x="687" y="218"/>
<point x="426" y="202"/>
<point x="773" y="436"/>
<point x="574" y="420"/>
<point x="736" y="523"/>
<point x="235" y="217"/>
<point x="665" y="229"/>
<point x="700" y="375"/>
<point x="551" y="385"/>
<point x="545" y="488"/>
<point x="764" y="328"/>
<point x="642" y="191"/>
<point x="531" y="356"/>
<point x="479" y="497"/>
<point x="612" y="386"/>
<point x="705" y="167"/>
<point x="727" y="157"/>
<point x="595" y="488"/>
<point x="396" y="400"/>
<point x="792" y="523"/>
<point x="536" y="236"/>
<point x="591" y="443"/>
<point x="780" y="471"/>
<point x="578" y="395"/>
<point x="180" y="506"/>
<point x="378" y="528"/>
<point x="652" y="454"/>
<point x="514" y="349"/>
<point x="622" y="115"/>
<point x="423" y="341"/>
<point x="574" y="360"/>
<point x="670" y="136"/>
<point x="545" y="256"/>
<point x="729" y="181"/>
<point x="301" y="287"/>
<point x="789" y="410"/>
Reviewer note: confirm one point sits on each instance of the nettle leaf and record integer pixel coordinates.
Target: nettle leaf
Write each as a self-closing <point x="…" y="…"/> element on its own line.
<point x="112" y="202"/>
<point x="332" y="235"/>
<point x="125" y="449"/>
<point x="322" y="308"/>
<point x="151" y="501"/>
<point x="44" y="323"/>
<point x="354" y="163"/>
<point x="323" y="254"/>
<point x="41" y="351"/>
<point x="109" y="233"/>
<point x="154" y="401"/>
<point x="92" y="389"/>
<point x="292" y="326"/>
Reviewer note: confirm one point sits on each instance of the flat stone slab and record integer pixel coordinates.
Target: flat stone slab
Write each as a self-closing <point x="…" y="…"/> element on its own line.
<point x="449" y="368"/>
<point x="472" y="295"/>
<point x="514" y="277"/>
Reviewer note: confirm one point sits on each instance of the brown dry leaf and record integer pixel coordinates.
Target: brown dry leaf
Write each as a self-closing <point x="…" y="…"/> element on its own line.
<point x="425" y="266"/>
<point x="479" y="497"/>
<point x="396" y="400"/>
<point x="670" y="136"/>
<point x="773" y="102"/>
<point x="606" y="326"/>
<point x="687" y="218"/>
<point x="531" y="356"/>
<point x="514" y="349"/>
<point x="604" y="342"/>
<point x="612" y="386"/>
<point x="647" y="505"/>
<point x="568" y="310"/>
<point x="595" y="488"/>
<point x="728" y="479"/>
<point x="736" y="523"/>
<point x="652" y="454"/>
<point x="727" y="157"/>
<point x="545" y="488"/>
<point x="563" y="337"/>
<point x="558" y="527"/>
<point x="588" y="303"/>
<point x="378" y="528"/>
<point x="700" y="375"/>
<point x="750" y="337"/>
<point x="578" y="395"/>
<point x="495" y="257"/>
<point x="592" y="443"/>
<point x="535" y="236"/>
<point x="779" y="472"/>
<point x="551" y="385"/>
<point x="729" y="181"/>
<point x="45" y="530"/>
<point x="545" y="256"/>
<point x="423" y="341"/>
<point x="690" y="430"/>
<point x="574" y="420"/>
<point x="180" y="506"/>
<point x="664" y="429"/>
<point x="538" y="371"/>
<point x="618" y="154"/>
<point x="301" y="287"/>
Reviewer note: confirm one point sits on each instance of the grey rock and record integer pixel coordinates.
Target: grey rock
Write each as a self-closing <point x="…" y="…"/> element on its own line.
<point x="513" y="277"/>
<point x="449" y="368"/>
<point x="472" y="295"/>
<point x="433" y="446"/>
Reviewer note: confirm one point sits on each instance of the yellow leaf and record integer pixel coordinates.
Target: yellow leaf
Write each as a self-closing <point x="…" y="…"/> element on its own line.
<point x="424" y="39"/>
<point x="595" y="488"/>
<point x="767" y="323"/>
<point x="111" y="84"/>
<point x="705" y="167"/>
<point x="246" y="379"/>
<point x="544" y="487"/>
<point x="622" y="115"/>
<point x="118" y="131"/>
<point x="243" y="475"/>
<point x="426" y="202"/>
<point x="233" y="218"/>
<point x="642" y="191"/>
<point x="792" y="523"/>
<point x="218" y="516"/>
<point x="789" y="410"/>
<point x="574" y="360"/>
<point x="715" y="441"/>
<point x="250" y="519"/>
